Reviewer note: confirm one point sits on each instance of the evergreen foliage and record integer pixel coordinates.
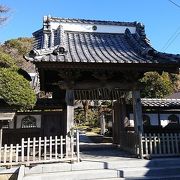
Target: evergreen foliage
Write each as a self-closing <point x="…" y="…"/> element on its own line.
<point x="16" y="90"/>
<point x="16" y="48"/>
<point x="7" y="61"/>
<point x="23" y="45"/>
<point x="156" y="85"/>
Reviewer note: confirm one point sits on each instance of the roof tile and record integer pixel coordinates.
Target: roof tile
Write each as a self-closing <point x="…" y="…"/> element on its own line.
<point x="96" y="47"/>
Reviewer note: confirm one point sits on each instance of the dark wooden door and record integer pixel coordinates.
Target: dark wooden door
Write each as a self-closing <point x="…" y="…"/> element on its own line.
<point x="54" y="124"/>
<point x="119" y="121"/>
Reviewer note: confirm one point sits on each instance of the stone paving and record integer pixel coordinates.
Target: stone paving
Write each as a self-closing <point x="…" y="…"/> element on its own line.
<point x="92" y="148"/>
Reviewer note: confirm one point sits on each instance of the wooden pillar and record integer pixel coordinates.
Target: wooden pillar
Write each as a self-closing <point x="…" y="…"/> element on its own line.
<point x="137" y="111"/>
<point x="70" y="109"/>
<point x="70" y="115"/>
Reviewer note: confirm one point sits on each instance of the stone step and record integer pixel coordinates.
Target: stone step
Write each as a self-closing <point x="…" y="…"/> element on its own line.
<point x="76" y="175"/>
<point x="94" y="174"/>
<point x="125" y="169"/>
<point x="95" y="165"/>
<point x="167" y="162"/>
<point x="150" y="172"/>
<point x="163" y="162"/>
<point x="145" y="178"/>
<point x="173" y="177"/>
<point x="110" y="179"/>
<point x="85" y="165"/>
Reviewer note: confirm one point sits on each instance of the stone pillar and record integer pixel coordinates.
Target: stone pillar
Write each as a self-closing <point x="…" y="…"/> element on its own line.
<point x="70" y="114"/>
<point x="103" y="124"/>
<point x="137" y="112"/>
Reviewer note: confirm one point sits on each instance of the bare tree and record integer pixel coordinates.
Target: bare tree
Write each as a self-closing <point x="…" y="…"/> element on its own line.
<point x="3" y="11"/>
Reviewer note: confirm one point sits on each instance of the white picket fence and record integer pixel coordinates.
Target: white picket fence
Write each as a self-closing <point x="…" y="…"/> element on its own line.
<point x="41" y="150"/>
<point x="165" y="144"/>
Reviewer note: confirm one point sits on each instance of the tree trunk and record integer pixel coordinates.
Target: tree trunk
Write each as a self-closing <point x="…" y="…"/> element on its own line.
<point x="85" y="104"/>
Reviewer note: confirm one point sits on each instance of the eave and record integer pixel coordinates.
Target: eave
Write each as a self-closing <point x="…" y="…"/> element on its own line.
<point x="136" y="67"/>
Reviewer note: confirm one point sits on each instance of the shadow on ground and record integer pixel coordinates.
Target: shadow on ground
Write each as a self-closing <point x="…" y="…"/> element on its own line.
<point x="99" y="147"/>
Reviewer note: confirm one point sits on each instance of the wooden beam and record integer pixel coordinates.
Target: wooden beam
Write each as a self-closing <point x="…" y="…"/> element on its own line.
<point x="139" y="67"/>
<point x="90" y="85"/>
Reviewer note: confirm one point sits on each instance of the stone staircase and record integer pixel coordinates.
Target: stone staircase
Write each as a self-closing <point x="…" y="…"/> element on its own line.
<point x="164" y="168"/>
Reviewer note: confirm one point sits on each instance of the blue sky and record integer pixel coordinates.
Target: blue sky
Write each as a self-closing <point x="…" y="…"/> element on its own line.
<point x="160" y="17"/>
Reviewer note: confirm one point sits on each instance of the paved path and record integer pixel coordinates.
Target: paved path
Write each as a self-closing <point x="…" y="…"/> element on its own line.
<point x="92" y="149"/>
<point x="84" y="139"/>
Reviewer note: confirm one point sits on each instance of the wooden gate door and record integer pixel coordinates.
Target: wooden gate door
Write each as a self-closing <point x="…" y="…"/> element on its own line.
<point x="119" y="121"/>
<point x="54" y="123"/>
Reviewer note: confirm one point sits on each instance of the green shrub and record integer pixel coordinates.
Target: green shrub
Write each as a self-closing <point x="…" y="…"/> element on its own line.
<point x="156" y="85"/>
<point x="7" y="61"/>
<point x="16" y="90"/>
<point x="23" y="45"/>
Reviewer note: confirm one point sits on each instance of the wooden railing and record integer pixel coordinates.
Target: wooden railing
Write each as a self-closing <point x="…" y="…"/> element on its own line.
<point x="167" y="144"/>
<point x="41" y="150"/>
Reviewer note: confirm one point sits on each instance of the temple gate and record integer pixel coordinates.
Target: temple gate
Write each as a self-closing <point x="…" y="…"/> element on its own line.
<point x="96" y="60"/>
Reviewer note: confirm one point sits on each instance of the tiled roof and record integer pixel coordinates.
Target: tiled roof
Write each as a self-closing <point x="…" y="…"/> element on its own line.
<point x="86" y="21"/>
<point x="96" y="47"/>
<point x="147" y="102"/>
<point x="59" y="45"/>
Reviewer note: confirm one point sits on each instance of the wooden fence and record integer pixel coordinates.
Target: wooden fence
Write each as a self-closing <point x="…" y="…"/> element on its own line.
<point x="41" y="150"/>
<point x="167" y="144"/>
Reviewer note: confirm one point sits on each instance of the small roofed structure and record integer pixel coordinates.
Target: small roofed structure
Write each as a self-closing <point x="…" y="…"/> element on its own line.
<point x="159" y="113"/>
<point x="90" y="59"/>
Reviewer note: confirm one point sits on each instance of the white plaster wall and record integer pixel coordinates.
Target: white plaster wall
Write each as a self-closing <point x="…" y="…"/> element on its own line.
<point x="20" y="117"/>
<point x="154" y="118"/>
<point x="164" y="118"/>
<point x="88" y="27"/>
